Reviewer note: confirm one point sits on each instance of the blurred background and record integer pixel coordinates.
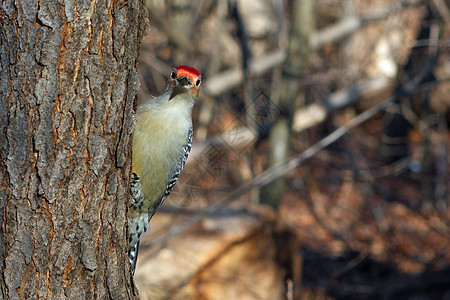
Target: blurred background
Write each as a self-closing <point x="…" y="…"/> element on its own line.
<point x="320" y="166"/>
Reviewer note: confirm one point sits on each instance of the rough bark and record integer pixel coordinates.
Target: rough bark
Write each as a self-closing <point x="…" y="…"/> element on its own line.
<point x="68" y="84"/>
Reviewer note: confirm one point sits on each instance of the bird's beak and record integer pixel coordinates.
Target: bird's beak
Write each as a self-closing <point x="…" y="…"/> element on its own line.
<point x="184" y="81"/>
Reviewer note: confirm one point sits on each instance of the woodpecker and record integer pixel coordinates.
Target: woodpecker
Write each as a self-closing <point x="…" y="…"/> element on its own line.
<point x="161" y="144"/>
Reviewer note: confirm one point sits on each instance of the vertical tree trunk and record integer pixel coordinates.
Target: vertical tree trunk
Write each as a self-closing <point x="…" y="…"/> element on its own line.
<point x="68" y="84"/>
<point x="291" y="92"/>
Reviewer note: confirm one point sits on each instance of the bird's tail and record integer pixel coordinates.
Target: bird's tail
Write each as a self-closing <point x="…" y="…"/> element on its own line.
<point x="133" y="254"/>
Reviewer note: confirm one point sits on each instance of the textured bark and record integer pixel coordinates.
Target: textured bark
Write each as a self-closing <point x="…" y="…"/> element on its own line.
<point x="68" y="84"/>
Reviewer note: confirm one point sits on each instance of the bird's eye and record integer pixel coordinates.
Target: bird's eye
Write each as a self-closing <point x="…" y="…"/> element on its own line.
<point x="173" y="75"/>
<point x="197" y="83"/>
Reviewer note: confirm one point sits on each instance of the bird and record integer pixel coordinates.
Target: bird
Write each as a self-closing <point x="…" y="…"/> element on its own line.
<point x="161" y="144"/>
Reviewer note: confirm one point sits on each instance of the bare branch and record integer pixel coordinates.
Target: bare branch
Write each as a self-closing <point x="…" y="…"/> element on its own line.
<point x="218" y="84"/>
<point x="305" y="117"/>
<point x="314" y="114"/>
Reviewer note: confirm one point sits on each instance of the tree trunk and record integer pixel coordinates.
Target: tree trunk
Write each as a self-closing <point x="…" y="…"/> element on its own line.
<point x="68" y="84"/>
<point x="291" y="92"/>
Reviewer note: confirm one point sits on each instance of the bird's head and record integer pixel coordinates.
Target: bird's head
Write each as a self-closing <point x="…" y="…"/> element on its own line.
<point x="185" y="80"/>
